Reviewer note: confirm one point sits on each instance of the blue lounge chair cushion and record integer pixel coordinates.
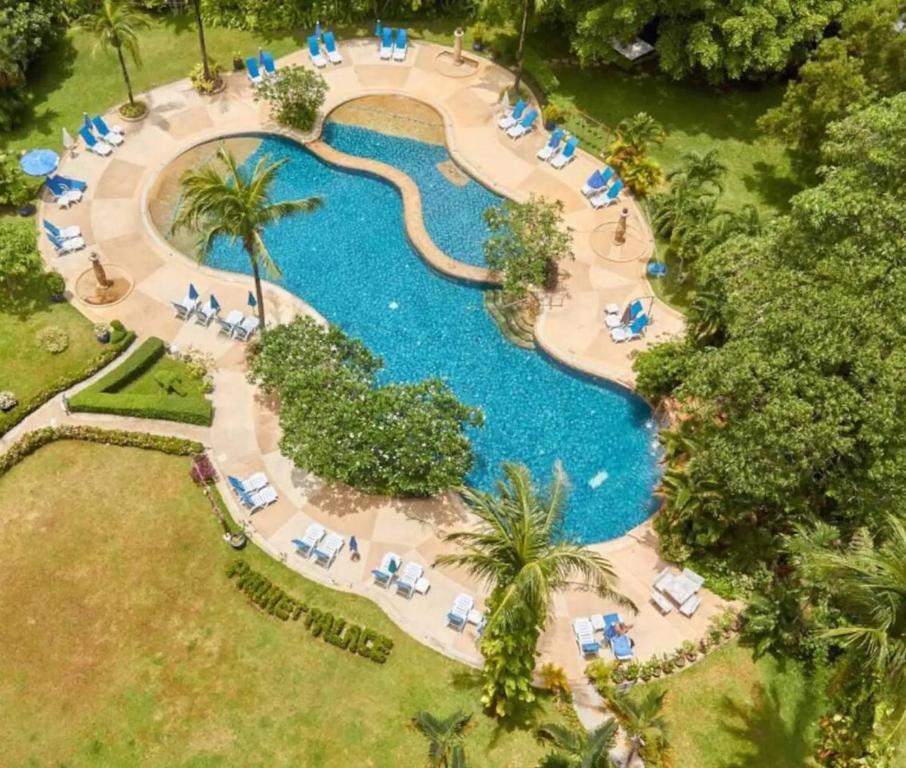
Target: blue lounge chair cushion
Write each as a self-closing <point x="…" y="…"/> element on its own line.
<point x="268" y="62"/>
<point x="518" y="109"/>
<point x="66" y="183"/>
<point x="87" y="137"/>
<point x="639" y="324"/>
<point x="100" y="125"/>
<point x="592" y="647"/>
<point x="615" y="189"/>
<point x="606" y="175"/>
<point x="596" y="180"/>
<point x="621" y="646"/>
<point x="556" y="137"/>
<point x="452" y="618"/>
<point x="329" y="43"/>
<point x="635" y="309"/>
<point x="570" y="147"/>
<point x="401" y="38"/>
<point x="380" y="575"/>
<point x="387" y="39"/>
<point x="313" y="47"/>
<point x="51" y="228"/>
<point x="252" y="65"/>
<point x="529" y="118"/>
<point x="657" y="268"/>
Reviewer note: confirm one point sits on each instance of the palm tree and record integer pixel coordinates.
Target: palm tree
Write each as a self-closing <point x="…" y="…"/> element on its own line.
<point x="115" y="24"/>
<point x="517" y="549"/>
<point x="201" y="41"/>
<point x="445" y="748"/>
<point x="220" y="199"/>
<point x="628" y="150"/>
<point x="699" y="169"/>
<point x="578" y="748"/>
<point x="644" y="725"/>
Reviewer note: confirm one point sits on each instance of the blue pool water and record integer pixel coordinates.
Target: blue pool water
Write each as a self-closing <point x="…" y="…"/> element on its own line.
<point x="352" y="261"/>
<point x="452" y="213"/>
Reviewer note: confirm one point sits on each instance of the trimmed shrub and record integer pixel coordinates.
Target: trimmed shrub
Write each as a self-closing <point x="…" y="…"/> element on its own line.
<point x="110" y="352"/>
<point x="104" y="395"/>
<point x="30" y="442"/>
<point x="53" y="339"/>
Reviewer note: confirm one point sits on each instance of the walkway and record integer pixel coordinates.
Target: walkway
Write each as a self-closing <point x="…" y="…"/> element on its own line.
<point x="245" y="434"/>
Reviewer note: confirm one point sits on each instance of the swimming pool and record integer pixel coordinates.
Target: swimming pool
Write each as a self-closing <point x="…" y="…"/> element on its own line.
<point x="352" y="261"/>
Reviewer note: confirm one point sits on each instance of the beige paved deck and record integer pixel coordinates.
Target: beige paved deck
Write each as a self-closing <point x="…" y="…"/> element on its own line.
<point x="245" y="434"/>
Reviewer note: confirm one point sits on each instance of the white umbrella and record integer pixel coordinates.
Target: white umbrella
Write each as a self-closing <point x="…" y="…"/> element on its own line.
<point x="68" y="141"/>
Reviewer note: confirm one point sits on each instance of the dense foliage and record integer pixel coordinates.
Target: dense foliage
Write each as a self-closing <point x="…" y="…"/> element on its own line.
<point x="701" y="39"/>
<point x="866" y="61"/>
<point x="628" y="153"/>
<point x="526" y="243"/>
<point x="295" y="97"/>
<point x="338" y="422"/>
<point x="19" y="258"/>
<point x="518" y="551"/>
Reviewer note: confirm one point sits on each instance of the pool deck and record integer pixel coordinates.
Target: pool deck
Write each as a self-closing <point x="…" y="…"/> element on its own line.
<point x="245" y="434"/>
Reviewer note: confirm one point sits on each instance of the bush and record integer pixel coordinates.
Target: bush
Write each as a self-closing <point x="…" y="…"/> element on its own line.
<point x="295" y="97"/>
<point x="15" y="188"/>
<point x="8" y="401"/>
<point x="53" y="339"/>
<point x="32" y="441"/>
<point x="553" y="113"/>
<point x="117" y="332"/>
<point x="111" y="352"/>
<point x="20" y="261"/>
<point x="200" y="83"/>
<point x="661" y="369"/>
<point x="56" y="286"/>
<point x="104" y="395"/>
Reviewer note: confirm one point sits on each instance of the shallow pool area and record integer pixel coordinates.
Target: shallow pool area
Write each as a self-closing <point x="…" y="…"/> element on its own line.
<point x="352" y="261"/>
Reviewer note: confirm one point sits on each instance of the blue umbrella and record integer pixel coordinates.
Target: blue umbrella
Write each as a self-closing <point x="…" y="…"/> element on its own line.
<point x="318" y="29"/>
<point x="378" y="29"/>
<point x="39" y="162"/>
<point x="214" y="303"/>
<point x="193" y="294"/>
<point x="252" y="302"/>
<point x="87" y="122"/>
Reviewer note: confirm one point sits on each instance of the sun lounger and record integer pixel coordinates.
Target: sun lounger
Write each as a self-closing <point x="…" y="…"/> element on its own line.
<point x="549" y="150"/>
<point x="566" y="155"/>
<point x="408" y="578"/>
<point x="690" y="606"/>
<point x="693" y="577"/>
<point x="661" y="602"/>
<point x="71" y="245"/>
<point x="662" y="579"/>
<point x="62" y="233"/>
<point x="326" y="552"/>
<point x="611" y="620"/>
<point x="313" y="535"/>
<point x="330" y="44"/>
<point x="251" y="69"/>
<point x="258" y="499"/>
<point x="387" y="43"/>
<point x="524" y="126"/>
<point x="205" y="313"/>
<point x="459" y="612"/>
<point x="314" y="53"/>
<point x="186" y="308"/>
<point x="621" y="646"/>
<point x="112" y="137"/>
<point x="251" y="484"/>
<point x="62" y="195"/>
<point x="630" y="332"/>
<point x="270" y="69"/>
<point x="612" y="316"/>
<point x="585" y="637"/>
<point x="597" y="182"/>
<point x="228" y="324"/>
<point x="246" y="328"/>
<point x="101" y="148"/>
<point x="387" y="570"/>
<point x="606" y="198"/>
<point x="70" y="183"/>
<point x="508" y="121"/>
<point x="401" y="46"/>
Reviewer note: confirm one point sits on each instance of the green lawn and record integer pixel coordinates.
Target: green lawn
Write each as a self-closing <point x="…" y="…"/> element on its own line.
<point x="147" y="383"/>
<point x="124" y="643"/>
<point x="71" y="78"/>
<point x="27" y="368"/>
<point x="730" y="711"/>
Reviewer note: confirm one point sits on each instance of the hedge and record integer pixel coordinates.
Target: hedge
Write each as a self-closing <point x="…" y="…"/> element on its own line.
<point x="104" y="395"/>
<point x="335" y="630"/>
<point x="9" y="419"/>
<point x="30" y="442"/>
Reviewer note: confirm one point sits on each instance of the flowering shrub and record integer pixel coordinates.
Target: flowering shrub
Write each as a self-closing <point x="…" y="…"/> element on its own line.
<point x="53" y="339"/>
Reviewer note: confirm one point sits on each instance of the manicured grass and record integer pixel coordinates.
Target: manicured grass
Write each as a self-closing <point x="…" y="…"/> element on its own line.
<point x="125" y="643"/>
<point x="729" y="710"/>
<point x="147" y="383"/>
<point x="70" y="78"/>
<point x="26" y="368"/>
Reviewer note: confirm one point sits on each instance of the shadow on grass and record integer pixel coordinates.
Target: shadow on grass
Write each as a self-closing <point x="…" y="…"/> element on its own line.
<point x="47" y="74"/>
<point x="768" y="736"/>
<point x="773" y="189"/>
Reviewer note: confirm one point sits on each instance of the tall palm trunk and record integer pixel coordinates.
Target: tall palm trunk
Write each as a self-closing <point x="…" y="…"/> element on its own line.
<point x="259" y="295"/>
<point x="119" y="53"/>
<point x="520" y="52"/>
<point x="201" y="41"/>
<point x="633" y="751"/>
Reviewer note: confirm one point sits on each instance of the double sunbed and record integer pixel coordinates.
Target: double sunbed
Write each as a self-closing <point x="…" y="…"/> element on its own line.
<point x="584" y="629"/>
<point x="65" y="191"/>
<point x="681" y="588"/>
<point x="319" y="543"/>
<point x="254" y="492"/>
<point x="394" y="49"/>
<point x="106" y="139"/>
<point x="628" y="324"/>
<point x="409" y="578"/>
<point x="65" y="240"/>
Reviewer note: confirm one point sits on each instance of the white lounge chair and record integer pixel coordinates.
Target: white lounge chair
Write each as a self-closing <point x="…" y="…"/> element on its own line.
<point x="401" y="46"/>
<point x="326" y="552"/>
<point x="205" y="313"/>
<point x="607" y="197"/>
<point x="185" y="309"/>
<point x="612" y="316"/>
<point x="566" y="155"/>
<point x="312" y="537"/>
<point x="512" y="117"/>
<point x="409" y="577"/>
<point x="70" y="245"/>
<point x="251" y="484"/>
<point x="229" y="323"/>
<point x="93" y="144"/>
<point x="387" y="44"/>
<point x="384" y="573"/>
<point x="258" y="499"/>
<point x="597" y="182"/>
<point x="330" y="45"/>
<point x="524" y="126"/>
<point x="110" y="135"/>
<point x="251" y="69"/>
<point x="458" y="615"/>
<point x="585" y="637"/>
<point x="246" y="328"/>
<point x="553" y="145"/>
<point x="630" y="332"/>
<point x="62" y="233"/>
<point x="314" y="53"/>
<point x="699" y="581"/>
<point x="661" y="602"/>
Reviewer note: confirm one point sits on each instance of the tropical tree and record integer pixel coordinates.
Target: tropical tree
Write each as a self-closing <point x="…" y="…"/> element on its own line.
<point x="628" y="152"/>
<point x="445" y="747"/>
<point x="518" y="549"/>
<point x="577" y="748"/>
<point x="223" y="200"/>
<point x="645" y="727"/>
<point x="116" y="24"/>
<point x="199" y="23"/>
<point x="700" y="169"/>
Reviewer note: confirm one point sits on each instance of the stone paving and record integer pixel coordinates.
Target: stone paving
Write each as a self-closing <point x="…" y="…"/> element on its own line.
<point x="245" y="434"/>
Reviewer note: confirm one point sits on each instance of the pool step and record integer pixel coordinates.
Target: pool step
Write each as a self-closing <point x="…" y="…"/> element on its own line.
<point x="513" y="324"/>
